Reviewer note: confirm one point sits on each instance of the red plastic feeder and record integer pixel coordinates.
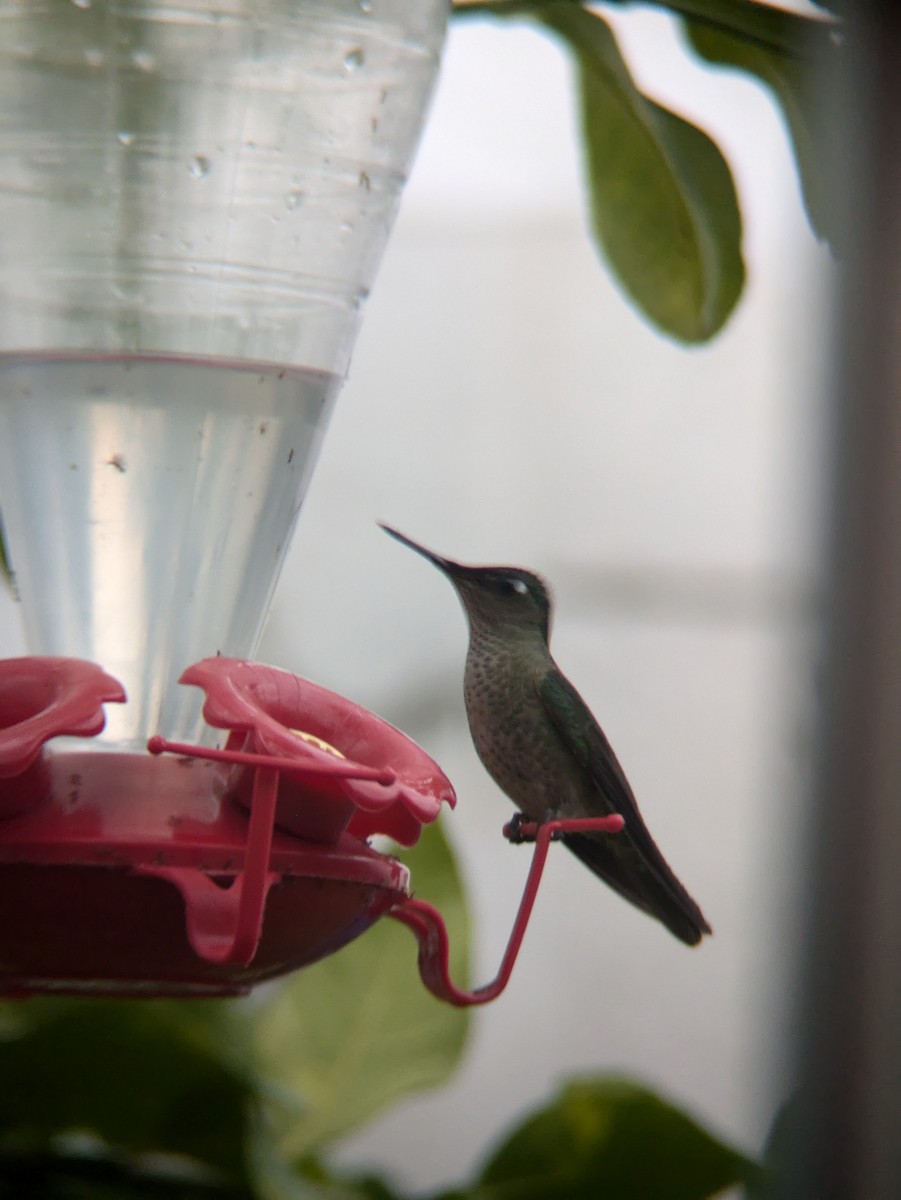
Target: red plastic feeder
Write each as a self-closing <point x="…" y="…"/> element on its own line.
<point x="205" y="871"/>
<point x="141" y="875"/>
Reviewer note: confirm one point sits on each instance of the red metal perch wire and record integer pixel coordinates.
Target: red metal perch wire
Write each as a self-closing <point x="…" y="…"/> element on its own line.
<point x="430" y="931"/>
<point x="246" y="906"/>
<point x="419" y="916"/>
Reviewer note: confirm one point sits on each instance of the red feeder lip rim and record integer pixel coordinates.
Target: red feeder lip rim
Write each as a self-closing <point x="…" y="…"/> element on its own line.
<point x="392" y="784"/>
<point x="43" y="698"/>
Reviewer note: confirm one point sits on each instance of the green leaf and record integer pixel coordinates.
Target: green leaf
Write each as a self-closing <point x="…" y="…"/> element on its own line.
<point x="766" y="24"/>
<point x="344" y="1038"/>
<point x="792" y="76"/>
<point x="5" y="569"/>
<point x="141" y="1076"/>
<point x="610" y="1138"/>
<point x="340" y="1187"/>
<point x="663" y="204"/>
<point x="277" y="1179"/>
<point x="778" y="1177"/>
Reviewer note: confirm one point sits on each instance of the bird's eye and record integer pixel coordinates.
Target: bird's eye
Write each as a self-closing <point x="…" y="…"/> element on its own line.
<point x="515" y="586"/>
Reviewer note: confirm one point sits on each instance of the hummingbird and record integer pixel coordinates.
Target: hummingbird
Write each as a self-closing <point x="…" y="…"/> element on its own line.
<point x="538" y="740"/>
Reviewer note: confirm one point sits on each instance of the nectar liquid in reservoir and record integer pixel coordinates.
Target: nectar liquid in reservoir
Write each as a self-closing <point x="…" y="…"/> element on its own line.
<point x="157" y="496"/>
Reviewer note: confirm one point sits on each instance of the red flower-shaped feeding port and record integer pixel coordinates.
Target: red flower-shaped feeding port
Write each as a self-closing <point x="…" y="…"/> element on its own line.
<point x="42" y="698"/>
<point x="199" y="872"/>
<point x="270" y="712"/>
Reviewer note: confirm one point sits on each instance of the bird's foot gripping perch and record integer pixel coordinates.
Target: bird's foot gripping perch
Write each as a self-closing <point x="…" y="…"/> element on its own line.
<point x="520" y="829"/>
<point x="431" y="933"/>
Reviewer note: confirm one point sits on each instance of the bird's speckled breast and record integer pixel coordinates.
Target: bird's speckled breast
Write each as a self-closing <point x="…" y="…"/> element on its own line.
<point x="511" y="732"/>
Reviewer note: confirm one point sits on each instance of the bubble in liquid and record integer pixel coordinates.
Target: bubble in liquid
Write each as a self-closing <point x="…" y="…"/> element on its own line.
<point x="294" y="200"/>
<point x="82" y="3"/>
<point x="366" y="6"/>
<point x="124" y="137"/>
<point x="200" y="166"/>
<point x="143" y="60"/>
<point x="354" y="59"/>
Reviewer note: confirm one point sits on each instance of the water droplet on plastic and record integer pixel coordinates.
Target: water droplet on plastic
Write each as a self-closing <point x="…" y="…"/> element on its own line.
<point x="93" y="56"/>
<point x="125" y="137"/>
<point x="294" y="199"/>
<point x="366" y="6"/>
<point x="82" y="3"/>
<point x="354" y="59"/>
<point x="143" y="60"/>
<point x="200" y="166"/>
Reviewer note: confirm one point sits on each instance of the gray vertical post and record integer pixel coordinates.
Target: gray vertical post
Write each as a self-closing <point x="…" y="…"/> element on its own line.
<point x="850" y="1113"/>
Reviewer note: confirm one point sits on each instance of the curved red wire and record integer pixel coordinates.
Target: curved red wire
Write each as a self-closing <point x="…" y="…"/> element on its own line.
<point x="430" y="931"/>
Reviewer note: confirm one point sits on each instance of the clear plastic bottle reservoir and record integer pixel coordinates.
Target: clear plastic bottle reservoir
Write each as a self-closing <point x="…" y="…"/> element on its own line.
<point x="194" y="198"/>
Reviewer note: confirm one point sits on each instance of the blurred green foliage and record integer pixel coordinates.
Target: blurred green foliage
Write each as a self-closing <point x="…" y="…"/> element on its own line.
<point x="244" y="1090"/>
<point x="345" y="1038"/>
<point x="244" y="1100"/>
<point x="662" y="203"/>
<point x="609" y="1137"/>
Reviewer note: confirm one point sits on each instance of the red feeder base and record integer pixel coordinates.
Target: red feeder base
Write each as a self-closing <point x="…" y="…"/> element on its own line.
<point x="128" y="877"/>
<point x="206" y="873"/>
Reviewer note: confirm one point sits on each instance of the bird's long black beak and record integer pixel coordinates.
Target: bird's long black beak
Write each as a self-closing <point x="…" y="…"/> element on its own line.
<point x="443" y="564"/>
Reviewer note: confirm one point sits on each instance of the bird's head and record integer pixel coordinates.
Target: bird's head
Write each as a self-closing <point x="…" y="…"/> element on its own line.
<point x="498" y="600"/>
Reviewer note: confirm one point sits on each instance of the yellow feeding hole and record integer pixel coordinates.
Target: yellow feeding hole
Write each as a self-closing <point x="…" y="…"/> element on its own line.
<point x="319" y="743"/>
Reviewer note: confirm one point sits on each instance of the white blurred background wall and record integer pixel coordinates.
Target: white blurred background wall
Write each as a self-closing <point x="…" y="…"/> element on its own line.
<point x="506" y="404"/>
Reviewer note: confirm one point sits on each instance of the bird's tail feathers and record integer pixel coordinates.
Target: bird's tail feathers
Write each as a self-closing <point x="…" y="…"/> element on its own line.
<point x="656" y="892"/>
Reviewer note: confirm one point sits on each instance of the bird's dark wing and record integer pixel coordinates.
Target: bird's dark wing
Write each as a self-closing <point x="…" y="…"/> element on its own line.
<point x="629" y="862"/>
